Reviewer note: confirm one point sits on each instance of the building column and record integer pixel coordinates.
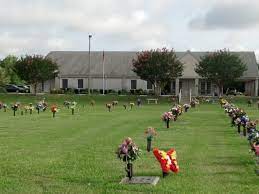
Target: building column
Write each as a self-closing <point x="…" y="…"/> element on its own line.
<point x="256" y="87"/>
<point x="57" y="83"/>
<point x="177" y="84"/>
<point x="196" y="87"/>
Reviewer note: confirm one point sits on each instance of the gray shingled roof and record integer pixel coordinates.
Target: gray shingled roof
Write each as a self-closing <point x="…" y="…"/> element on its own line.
<point x="119" y="63"/>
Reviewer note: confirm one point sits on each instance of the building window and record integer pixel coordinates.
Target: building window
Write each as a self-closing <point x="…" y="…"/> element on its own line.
<point x="80" y="83"/>
<point x="208" y="88"/>
<point x="203" y="87"/>
<point x="149" y="85"/>
<point x="64" y="83"/>
<point x="133" y="84"/>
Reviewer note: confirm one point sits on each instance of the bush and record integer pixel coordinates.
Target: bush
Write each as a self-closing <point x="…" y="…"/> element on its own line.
<point x="132" y="92"/>
<point x="54" y="91"/>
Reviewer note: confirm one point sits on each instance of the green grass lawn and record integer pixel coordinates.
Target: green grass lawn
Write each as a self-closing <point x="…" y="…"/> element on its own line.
<point x="76" y="154"/>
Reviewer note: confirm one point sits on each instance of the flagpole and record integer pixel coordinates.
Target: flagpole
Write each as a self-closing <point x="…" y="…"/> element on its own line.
<point x="103" y="72"/>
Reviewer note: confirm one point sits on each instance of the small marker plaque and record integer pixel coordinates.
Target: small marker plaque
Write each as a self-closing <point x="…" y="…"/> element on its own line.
<point x="152" y="180"/>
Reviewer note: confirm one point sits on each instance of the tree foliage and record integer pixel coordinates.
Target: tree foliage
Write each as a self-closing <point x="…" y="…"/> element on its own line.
<point x="221" y="67"/>
<point x="8" y="64"/>
<point x="36" y="69"/>
<point x="157" y="66"/>
<point x="4" y="78"/>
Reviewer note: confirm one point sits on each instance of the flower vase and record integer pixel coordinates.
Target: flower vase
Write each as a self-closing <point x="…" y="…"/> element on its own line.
<point x="4" y="109"/>
<point x="30" y="111"/>
<point x="167" y="123"/>
<point x="129" y="170"/>
<point x="22" y="113"/>
<point x="14" y="112"/>
<point x="186" y="109"/>
<point x="175" y="117"/>
<point x="38" y="111"/>
<point x="54" y="114"/>
<point x="73" y="111"/>
<point x="149" y="142"/>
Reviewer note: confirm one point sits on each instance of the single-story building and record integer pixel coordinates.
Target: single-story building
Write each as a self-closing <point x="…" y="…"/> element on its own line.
<point x="74" y="71"/>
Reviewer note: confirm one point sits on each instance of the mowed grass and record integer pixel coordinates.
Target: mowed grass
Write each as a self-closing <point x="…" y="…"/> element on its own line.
<point x="76" y="154"/>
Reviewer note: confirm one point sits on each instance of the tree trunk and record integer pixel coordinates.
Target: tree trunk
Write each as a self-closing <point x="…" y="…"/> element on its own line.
<point x="35" y="89"/>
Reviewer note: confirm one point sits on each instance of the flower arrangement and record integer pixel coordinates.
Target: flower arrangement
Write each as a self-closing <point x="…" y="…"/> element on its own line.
<point x="15" y="107"/>
<point x="131" y="104"/>
<point x="73" y="107"/>
<point x="186" y="107"/>
<point x="167" y="160"/>
<point x="150" y="133"/>
<point x="109" y="106"/>
<point x="54" y="109"/>
<point x="166" y="117"/>
<point x="5" y="107"/>
<point x="128" y="151"/>
<point x="92" y="103"/>
<point x="67" y="104"/>
<point x="115" y="103"/>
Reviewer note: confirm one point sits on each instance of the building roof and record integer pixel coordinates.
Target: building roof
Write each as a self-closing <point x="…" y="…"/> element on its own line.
<point x="119" y="63"/>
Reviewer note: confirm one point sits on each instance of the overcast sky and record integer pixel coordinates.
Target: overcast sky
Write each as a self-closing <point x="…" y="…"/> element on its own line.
<point x="40" y="26"/>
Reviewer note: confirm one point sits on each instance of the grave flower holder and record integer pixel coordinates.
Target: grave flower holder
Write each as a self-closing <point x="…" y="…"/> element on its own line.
<point x="30" y="108"/>
<point x="132" y="105"/>
<point x="166" y="117"/>
<point x="128" y="152"/>
<point x="150" y="133"/>
<point x="54" y="109"/>
<point x="109" y="106"/>
<point x="125" y="106"/>
<point x="15" y="108"/>
<point x="73" y="106"/>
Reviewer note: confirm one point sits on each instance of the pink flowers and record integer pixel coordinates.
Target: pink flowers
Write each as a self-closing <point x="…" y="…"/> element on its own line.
<point x="167" y="116"/>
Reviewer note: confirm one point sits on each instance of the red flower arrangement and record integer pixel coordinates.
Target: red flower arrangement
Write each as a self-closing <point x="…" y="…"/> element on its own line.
<point x="54" y="109"/>
<point x="167" y="160"/>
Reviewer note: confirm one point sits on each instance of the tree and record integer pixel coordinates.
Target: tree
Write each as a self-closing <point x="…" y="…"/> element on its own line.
<point x="4" y="79"/>
<point x="8" y="64"/>
<point x="36" y="69"/>
<point x="158" y="67"/>
<point x="221" y="67"/>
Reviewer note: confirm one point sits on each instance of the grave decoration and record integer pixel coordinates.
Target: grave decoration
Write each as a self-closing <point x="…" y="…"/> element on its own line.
<point x="15" y="107"/>
<point x="115" y="103"/>
<point x="73" y="107"/>
<point x="109" y="106"/>
<point x="41" y="106"/>
<point x="176" y="111"/>
<point x="31" y="108"/>
<point x="150" y="133"/>
<point x="139" y="102"/>
<point x="166" y="117"/>
<point x="67" y="104"/>
<point x="125" y="106"/>
<point x="131" y="105"/>
<point x="186" y="107"/>
<point x="128" y="152"/>
<point x="5" y="107"/>
<point x="92" y="103"/>
<point x="54" y="109"/>
<point x="167" y="161"/>
<point x="239" y="117"/>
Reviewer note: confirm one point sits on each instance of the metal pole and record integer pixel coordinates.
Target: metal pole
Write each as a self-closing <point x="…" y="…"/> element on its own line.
<point x="89" y="64"/>
<point x="103" y="72"/>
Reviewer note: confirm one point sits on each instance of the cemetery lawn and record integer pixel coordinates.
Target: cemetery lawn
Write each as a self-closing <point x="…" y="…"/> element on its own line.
<point x="76" y="154"/>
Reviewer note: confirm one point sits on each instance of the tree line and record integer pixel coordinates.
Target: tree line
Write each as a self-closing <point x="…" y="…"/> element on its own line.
<point x="29" y="69"/>
<point x="158" y="66"/>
